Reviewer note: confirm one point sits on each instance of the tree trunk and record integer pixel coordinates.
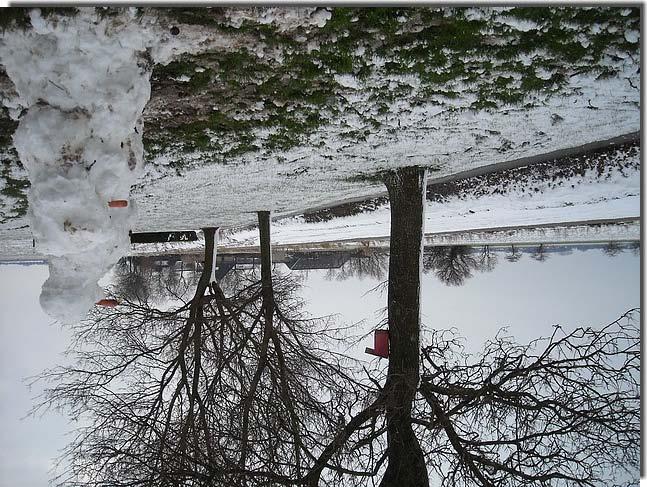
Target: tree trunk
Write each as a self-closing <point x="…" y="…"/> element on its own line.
<point x="195" y="322"/>
<point x="209" y="245"/>
<point x="266" y="266"/>
<point x="406" y="187"/>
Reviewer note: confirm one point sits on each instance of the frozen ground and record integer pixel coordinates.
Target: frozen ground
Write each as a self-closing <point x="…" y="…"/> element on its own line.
<point x="449" y="218"/>
<point x="228" y="195"/>
<point x="288" y="126"/>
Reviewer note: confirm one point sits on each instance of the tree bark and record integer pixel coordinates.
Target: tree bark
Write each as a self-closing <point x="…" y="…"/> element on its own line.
<point x="203" y="283"/>
<point x="406" y="462"/>
<point x="268" y="317"/>
<point x="266" y="260"/>
<point x="195" y="322"/>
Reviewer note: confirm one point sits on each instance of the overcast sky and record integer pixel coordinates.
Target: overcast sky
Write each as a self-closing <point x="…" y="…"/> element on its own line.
<point x="584" y="288"/>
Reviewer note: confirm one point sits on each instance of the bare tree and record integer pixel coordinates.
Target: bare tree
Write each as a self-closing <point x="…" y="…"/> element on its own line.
<point x="452" y="264"/>
<point x="564" y="410"/>
<point x="373" y="263"/>
<point x="487" y="259"/>
<point x="514" y="255"/>
<point x="244" y="388"/>
<point x="140" y="279"/>
<point x="540" y="253"/>
<point x="406" y="460"/>
<point x="613" y="249"/>
<point x="220" y="389"/>
<point x="133" y="281"/>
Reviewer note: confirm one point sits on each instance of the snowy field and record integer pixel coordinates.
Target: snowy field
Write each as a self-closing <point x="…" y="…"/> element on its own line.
<point x="538" y="199"/>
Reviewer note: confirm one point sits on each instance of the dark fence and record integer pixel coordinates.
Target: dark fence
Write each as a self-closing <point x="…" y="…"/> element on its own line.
<point x="154" y="237"/>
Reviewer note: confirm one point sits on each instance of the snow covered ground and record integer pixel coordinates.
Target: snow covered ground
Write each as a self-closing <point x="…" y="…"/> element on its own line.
<point x="435" y="131"/>
<point x="228" y="195"/>
<point x="597" y="188"/>
<point x="444" y="134"/>
<point x="537" y="200"/>
<point x="450" y="218"/>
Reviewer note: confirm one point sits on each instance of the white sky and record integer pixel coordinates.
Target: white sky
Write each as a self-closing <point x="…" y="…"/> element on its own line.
<point x="583" y="288"/>
<point x="29" y="342"/>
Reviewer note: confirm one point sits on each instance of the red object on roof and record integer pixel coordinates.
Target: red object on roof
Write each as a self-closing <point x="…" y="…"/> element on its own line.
<point x="109" y="303"/>
<point x="118" y="203"/>
<point x="381" y="344"/>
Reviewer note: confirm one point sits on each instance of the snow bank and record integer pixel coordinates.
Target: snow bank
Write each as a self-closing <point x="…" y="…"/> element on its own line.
<point x="82" y="85"/>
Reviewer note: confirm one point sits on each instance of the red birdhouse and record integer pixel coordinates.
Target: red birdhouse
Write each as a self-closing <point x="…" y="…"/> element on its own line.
<point x="380" y="344"/>
<point x="108" y="303"/>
